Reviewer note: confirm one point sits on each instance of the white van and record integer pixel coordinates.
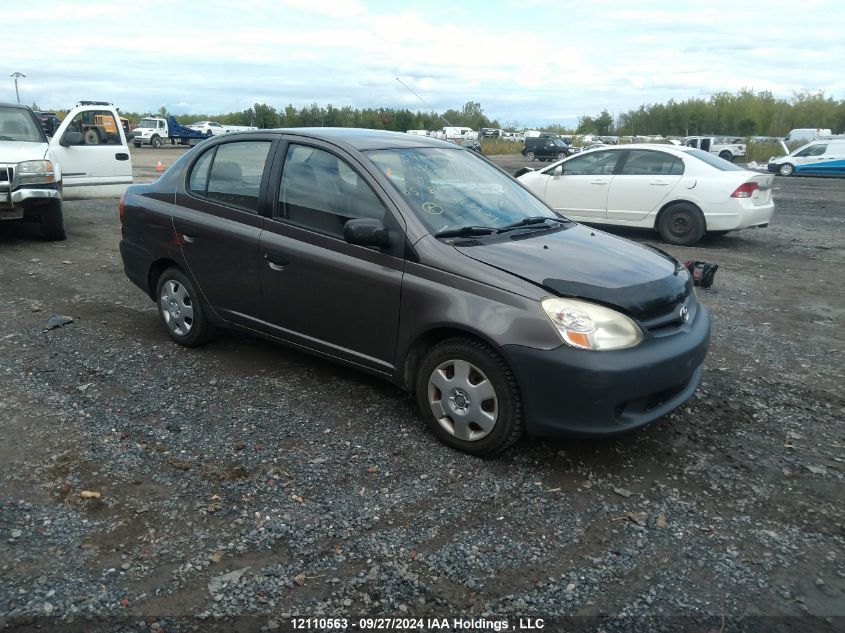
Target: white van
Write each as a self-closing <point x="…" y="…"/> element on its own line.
<point x="806" y="134"/>
<point x="823" y="157"/>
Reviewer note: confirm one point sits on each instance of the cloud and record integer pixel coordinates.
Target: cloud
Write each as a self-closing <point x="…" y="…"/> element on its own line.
<point x="523" y="61"/>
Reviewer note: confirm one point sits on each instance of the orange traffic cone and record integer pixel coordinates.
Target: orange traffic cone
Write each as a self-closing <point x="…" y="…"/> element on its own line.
<point x="159" y="166"/>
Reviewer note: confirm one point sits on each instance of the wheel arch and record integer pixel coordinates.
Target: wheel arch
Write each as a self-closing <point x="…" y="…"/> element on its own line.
<point x="156" y="269"/>
<point x="418" y="348"/>
<point x="672" y="203"/>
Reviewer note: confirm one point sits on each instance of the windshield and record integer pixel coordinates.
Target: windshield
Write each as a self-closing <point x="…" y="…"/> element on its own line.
<point x="449" y="189"/>
<point x="17" y="124"/>
<point x="714" y="161"/>
<point x="148" y="123"/>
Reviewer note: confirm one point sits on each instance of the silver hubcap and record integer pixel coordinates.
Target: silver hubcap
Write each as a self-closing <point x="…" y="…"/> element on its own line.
<point x="462" y="400"/>
<point x="177" y="307"/>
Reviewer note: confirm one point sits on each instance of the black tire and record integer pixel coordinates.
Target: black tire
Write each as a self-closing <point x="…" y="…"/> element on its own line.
<point x="530" y="156"/>
<point x="787" y="169"/>
<point x="725" y="154"/>
<point x="189" y="331"/>
<point x="483" y="366"/>
<point x="681" y="224"/>
<point x="155" y="142"/>
<point x="561" y="155"/>
<point x="137" y="144"/>
<point x="91" y="137"/>
<point x="52" y="221"/>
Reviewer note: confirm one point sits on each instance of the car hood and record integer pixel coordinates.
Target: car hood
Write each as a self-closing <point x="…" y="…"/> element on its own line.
<point x="589" y="264"/>
<point x="19" y="151"/>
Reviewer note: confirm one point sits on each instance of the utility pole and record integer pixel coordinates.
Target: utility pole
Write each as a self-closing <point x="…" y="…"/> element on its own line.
<point x="16" y="75"/>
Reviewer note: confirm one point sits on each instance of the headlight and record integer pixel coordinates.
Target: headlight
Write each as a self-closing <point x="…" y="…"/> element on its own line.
<point x="35" y="172"/>
<point x="590" y="326"/>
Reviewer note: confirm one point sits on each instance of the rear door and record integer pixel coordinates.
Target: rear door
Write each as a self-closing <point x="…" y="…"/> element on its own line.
<point x="580" y="192"/>
<point x="218" y="225"/>
<point x="102" y="166"/>
<point x="642" y="183"/>
<point x="319" y="291"/>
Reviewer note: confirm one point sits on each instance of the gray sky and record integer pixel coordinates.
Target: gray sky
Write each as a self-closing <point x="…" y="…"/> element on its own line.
<point x="525" y="61"/>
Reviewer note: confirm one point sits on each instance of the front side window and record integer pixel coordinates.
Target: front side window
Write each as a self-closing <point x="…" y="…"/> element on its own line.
<point x="231" y="174"/>
<point x="813" y="150"/>
<point x="448" y="189"/>
<point x="651" y="163"/>
<point x="321" y="192"/>
<point x="17" y="124"/>
<point x="98" y="127"/>
<point x="593" y="163"/>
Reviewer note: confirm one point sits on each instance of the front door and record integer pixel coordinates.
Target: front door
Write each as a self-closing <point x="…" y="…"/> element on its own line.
<point x="319" y="291"/>
<point x="217" y="224"/>
<point x="580" y="192"/>
<point x="644" y="180"/>
<point x="102" y="167"/>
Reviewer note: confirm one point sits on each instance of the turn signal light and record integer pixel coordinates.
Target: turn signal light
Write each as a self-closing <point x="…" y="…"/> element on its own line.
<point x="745" y="190"/>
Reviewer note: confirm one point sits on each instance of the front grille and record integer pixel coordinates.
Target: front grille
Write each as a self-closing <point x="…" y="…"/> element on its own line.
<point x="6" y="174"/>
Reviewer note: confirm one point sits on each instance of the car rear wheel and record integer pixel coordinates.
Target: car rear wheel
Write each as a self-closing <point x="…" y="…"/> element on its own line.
<point x="561" y="155"/>
<point x="530" y="156"/>
<point x="52" y="221"/>
<point x="682" y="224"/>
<point x="181" y="310"/>
<point x="91" y="137"/>
<point x="726" y="155"/>
<point x="786" y="169"/>
<point x="469" y="398"/>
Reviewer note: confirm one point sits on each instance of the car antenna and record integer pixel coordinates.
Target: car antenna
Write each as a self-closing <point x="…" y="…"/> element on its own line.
<point x="423" y="100"/>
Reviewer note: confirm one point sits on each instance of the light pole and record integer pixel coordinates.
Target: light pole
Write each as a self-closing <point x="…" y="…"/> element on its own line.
<point x="16" y="75"/>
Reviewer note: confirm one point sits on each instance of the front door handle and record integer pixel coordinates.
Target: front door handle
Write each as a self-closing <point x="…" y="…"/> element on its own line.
<point x="275" y="261"/>
<point x="598" y="182"/>
<point x="189" y="238"/>
<point x="121" y="156"/>
<point x="657" y="183"/>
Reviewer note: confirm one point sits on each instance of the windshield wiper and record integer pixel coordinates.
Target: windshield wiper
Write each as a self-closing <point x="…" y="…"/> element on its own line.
<point x="537" y="219"/>
<point x="466" y="231"/>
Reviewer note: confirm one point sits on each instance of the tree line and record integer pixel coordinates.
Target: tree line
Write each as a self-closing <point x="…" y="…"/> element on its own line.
<point x="745" y="113"/>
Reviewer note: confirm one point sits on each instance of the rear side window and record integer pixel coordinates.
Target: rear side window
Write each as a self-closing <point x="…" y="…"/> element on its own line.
<point x="714" y="161"/>
<point x="321" y="192"/>
<point x="231" y="174"/>
<point x="651" y="163"/>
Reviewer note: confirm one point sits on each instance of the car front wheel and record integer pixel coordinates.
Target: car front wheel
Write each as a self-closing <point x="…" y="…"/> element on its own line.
<point x="469" y="398"/>
<point x="682" y="224"/>
<point x="530" y="156"/>
<point x="155" y="142"/>
<point x="786" y="169"/>
<point x="725" y="154"/>
<point x="181" y="310"/>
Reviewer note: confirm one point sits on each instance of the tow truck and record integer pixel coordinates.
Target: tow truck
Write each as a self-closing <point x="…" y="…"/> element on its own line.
<point x="154" y="131"/>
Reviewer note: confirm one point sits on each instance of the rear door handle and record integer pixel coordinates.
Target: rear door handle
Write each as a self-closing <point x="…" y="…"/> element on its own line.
<point x="657" y="183"/>
<point x="276" y="261"/>
<point x="121" y="156"/>
<point x="598" y="182"/>
<point x="189" y="238"/>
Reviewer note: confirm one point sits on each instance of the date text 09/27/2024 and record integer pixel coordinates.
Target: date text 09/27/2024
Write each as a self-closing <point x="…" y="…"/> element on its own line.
<point x="418" y="624"/>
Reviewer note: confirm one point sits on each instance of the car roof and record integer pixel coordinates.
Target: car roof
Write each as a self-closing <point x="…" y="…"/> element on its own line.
<point x="14" y="105"/>
<point x="363" y="139"/>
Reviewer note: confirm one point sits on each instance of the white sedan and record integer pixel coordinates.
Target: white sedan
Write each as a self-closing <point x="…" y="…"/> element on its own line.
<point x="680" y="192"/>
<point x="208" y="127"/>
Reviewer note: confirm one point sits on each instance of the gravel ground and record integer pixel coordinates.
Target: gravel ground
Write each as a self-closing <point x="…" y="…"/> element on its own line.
<point x="160" y="488"/>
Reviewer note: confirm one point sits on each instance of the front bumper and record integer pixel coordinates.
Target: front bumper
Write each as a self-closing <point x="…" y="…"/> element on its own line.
<point x="579" y="393"/>
<point x="13" y="202"/>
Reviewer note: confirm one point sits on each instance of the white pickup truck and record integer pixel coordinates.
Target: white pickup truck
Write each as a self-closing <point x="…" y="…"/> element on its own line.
<point x="87" y="157"/>
<point x="213" y="128"/>
<point x="729" y="149"/>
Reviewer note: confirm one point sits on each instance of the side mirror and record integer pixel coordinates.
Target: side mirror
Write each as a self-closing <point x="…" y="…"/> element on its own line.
<point x="558" y="171"/>
<point x="366" y="232"/>
<point x="72" y="138"/>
